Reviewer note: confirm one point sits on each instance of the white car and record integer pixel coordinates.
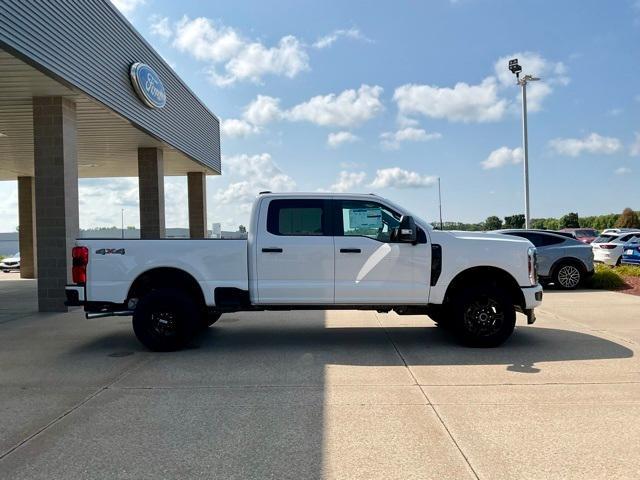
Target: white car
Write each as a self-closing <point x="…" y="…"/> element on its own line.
<point x="607" y="248"/>
<point x="11" y="263"/>
<point x="312" y="251"/>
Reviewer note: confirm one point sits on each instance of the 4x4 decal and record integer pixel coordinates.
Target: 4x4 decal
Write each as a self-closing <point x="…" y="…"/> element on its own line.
<point x="110" y="251"/>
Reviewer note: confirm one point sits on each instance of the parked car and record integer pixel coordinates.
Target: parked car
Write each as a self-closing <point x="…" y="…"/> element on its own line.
<point x="11" y="263"/>
<point x="311" y="251"/>
<point x="631" y="253"/>
<point x="608" y="247"/>
<point x="584" y="235"/>
<point x="563" y="261"/>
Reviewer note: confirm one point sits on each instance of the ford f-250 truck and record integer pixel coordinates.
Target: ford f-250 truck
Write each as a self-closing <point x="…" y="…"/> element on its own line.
<point x="312" y="251"/>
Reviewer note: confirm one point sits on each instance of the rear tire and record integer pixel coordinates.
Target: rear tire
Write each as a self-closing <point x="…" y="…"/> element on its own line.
<point x="568" y="276"/>
<point x="210" y="318"/>
<point x="165" y="320"/>
<point x="483" y="316"/>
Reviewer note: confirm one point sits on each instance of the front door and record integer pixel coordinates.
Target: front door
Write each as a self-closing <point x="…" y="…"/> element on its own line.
<point x="295" y="258"/>
<point x="370" y="267"/>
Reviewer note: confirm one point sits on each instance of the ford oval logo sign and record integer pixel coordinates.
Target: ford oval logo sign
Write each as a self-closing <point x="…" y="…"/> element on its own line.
<point x="148" y="85"/>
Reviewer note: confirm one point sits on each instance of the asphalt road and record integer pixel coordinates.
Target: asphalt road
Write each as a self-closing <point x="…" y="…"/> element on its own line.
<point x="322" y="395"/>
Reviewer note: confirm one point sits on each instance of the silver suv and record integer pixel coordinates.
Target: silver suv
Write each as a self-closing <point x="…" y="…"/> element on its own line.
<point x="562" y="260"/>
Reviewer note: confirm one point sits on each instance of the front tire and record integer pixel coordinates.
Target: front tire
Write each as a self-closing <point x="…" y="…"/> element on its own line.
<point x="567" y="276"/>
<point x="165" y="320"/>
<point x="483" y="316"/>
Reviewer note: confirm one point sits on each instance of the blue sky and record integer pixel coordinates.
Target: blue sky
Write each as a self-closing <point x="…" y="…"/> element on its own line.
<point x="384" y="97"/>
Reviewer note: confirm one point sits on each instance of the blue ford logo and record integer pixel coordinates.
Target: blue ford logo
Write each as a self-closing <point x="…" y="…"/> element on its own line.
<point x="148" y="85"/>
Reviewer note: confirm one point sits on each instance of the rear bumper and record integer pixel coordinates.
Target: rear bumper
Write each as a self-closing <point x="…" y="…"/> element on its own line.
<point x="75" y="295"/>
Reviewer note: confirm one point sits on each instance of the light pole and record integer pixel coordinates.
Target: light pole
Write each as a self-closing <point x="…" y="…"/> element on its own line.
<point x="516" y="69"/>
<point x="440" y="203"/>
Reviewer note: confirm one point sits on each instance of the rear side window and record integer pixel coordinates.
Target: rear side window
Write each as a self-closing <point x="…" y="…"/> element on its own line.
<point x="532" y="237"/>
<point x="604" y="238"/>
<point x="298" y="217"/>
<point x="547" y="240"/>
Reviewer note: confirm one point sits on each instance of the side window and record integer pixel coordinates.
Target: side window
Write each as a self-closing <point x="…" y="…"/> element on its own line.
<point x="368" y="219"/>
<point x="532" y="237"/>
<point x="550" y="240"/>
<point x="297" y="217"/>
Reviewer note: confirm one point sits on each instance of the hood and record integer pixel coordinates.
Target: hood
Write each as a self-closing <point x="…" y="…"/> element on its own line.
<point x="463" y="235"/>
<point x="11" y="259"/>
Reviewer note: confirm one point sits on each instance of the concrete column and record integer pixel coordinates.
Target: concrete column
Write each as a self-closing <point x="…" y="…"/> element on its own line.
<point x="151" y="190"/>
<point x="56" y="196"/>
<point x="197" y="191"/>
<point x="27" y="222"/>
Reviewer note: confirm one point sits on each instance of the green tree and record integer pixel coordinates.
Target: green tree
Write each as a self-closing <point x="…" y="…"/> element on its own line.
<point x="514" y="221"/>
<point x="551" y="224"/>
<point x="538" y="223"/>
<point x="628" y="219"/>
<point x="493" y="223"/>
<point x="570" y="220"/>
<point x="242" y="229"/>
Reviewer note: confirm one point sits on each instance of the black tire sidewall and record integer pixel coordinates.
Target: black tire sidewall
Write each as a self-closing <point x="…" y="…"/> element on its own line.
<point x="210" y="318"/>
<point x="467" y="297"/>
<point x="165" y="300"/>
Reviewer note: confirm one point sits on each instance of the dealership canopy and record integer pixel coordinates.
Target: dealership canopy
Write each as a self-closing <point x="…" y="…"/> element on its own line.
<point x="82" y="94"/>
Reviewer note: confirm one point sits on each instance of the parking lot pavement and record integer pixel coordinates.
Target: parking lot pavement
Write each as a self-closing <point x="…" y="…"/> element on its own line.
<point x="320" y="395"/>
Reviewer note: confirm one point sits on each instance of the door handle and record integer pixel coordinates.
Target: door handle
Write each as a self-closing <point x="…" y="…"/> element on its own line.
<point x="350" y="250"/>
<point x="272" y="250"/>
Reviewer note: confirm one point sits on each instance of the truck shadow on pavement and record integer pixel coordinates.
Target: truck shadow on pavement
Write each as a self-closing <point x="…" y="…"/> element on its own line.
<point x="427" y="346"/>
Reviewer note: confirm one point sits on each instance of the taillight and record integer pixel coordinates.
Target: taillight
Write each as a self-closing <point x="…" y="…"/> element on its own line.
<point x="607" y="246"/>
<point x="80" y="257"/>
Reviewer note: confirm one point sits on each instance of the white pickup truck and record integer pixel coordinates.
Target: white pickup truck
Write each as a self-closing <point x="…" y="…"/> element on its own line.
<point x="312" y="251"/>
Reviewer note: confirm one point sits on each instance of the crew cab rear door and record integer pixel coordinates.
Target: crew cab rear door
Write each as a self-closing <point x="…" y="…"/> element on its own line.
<point x="372" y="269"/>
<point x="295" y="254"/>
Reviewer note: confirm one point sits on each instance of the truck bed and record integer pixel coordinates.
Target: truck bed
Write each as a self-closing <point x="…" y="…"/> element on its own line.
<point x="114" y="264"/>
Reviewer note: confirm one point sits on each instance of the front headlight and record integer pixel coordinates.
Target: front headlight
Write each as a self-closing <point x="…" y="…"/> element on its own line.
<point x="532" y="254"/>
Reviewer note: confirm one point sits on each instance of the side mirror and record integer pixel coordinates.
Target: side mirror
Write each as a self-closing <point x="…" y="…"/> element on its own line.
<point x="407" y="231"/>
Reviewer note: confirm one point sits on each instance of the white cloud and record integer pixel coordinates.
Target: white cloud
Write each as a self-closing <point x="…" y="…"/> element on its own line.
<point x="592" y="143"/>
<point x="251" y="174"/>
<point x="348" y="181"/>
<point x="330" y="39"/>
<point x="334" y="140"/>
<point x="263" y="110"/>
<point x="239" y="58"/>
<point x="392" y="140"/>
<point x="487" y="101"/>
<point x="634" y="149"/>
<point x="462" y="103"/>
<point x="8" y="206"/>
<point x="160" y="27"/>
<point x="127" y="6"/>
<point x="397" y="177"/>
<point x="622" y="171"/>
<point x="234" y="127"/>
<point x="614" y="112"/>
<point x="347" y="109"/>
<point x="102" y="200"/>
<point x="503" y="156"/>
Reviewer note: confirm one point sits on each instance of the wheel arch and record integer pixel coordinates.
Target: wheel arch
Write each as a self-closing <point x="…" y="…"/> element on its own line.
<point x="482" y="275"/>
<point x="166" y="277"/>
<point x="567" y="261"/>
